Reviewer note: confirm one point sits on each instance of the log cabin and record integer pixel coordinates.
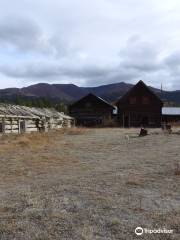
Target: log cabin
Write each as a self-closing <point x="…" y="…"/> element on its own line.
<point x="21" y="119"/>
<point x="140" y="106"/>
<point x="92" y="110"/>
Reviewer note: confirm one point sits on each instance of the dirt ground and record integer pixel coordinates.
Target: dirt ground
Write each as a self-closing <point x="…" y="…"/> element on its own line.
<point x="88" y="184"/>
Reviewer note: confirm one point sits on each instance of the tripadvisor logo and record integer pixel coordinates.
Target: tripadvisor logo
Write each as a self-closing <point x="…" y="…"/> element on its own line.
<point x="139" y="231"/>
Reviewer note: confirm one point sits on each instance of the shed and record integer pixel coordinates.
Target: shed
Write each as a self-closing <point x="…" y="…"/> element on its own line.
<point x="21" y="119"/>
<point x="171" y="114"/>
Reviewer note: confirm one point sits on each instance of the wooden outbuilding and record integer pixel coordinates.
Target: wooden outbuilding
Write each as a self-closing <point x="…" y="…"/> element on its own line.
<point x="171" y="115"/>
<point x="92" y="110"/>
<point x="140" y="106"/>
<point x="21" y="119"/>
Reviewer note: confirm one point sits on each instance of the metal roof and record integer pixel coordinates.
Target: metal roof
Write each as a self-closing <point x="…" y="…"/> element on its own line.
<point x="171" y="111"/>
<point x="105" y="101"/>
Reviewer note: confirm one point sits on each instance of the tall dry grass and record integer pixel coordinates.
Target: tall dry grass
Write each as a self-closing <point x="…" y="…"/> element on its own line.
<point x="73" y="131"/>
<point x="36" y="140"/>
<point x="24" y="140"/>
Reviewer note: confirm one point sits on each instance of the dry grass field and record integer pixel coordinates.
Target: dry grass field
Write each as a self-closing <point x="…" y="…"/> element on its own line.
<point x="88" y="184"/>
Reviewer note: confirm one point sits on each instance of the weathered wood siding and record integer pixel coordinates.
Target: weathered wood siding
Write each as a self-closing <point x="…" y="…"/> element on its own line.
<point x="92" y="111"/>
<point x="20" y="119"/>
<point x="139" y="107"/>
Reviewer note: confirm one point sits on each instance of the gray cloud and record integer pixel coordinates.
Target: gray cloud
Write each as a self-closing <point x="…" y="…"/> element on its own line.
<point x="20" y="33"/>
<point x="173" y="60"/>
<point x="40" y="70"/>
<point x="133" y="63"/>
<point x="140" y="55"/>
<point x="90" y="42"/>
<point x="26" y="36"/>
<point x="138" y="60"/>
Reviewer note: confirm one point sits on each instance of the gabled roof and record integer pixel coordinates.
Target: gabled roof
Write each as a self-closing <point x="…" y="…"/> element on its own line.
<point x="9" y="110"/>
<point x="140" y="84"/>
<point x="91" y="95"/>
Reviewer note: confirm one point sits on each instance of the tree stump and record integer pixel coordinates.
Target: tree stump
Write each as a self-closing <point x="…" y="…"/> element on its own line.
<point x="143" y="132"/>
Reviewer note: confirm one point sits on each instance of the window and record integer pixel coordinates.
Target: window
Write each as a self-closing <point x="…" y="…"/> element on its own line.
<point x="145" y="100"/>
<point x="132" y="100"/>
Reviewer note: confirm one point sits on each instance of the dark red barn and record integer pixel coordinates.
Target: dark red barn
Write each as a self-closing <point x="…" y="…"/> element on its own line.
<point x="140" y="106"/>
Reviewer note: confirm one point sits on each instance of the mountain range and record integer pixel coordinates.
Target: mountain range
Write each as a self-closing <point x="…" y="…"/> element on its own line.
<point x="69" y="93"/>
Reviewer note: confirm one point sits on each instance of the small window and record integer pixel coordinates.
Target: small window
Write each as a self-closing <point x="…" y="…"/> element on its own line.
<point x="145" y="100"/>
<point x="132" y="100"/>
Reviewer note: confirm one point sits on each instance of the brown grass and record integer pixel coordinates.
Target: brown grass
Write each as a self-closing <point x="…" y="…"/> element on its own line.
<point x="135" y="180"/>
<point x="37" y="140"/>
<point x="77" y="131"/>
<point x="31" y="140"/>
<point x="92" y="184"/>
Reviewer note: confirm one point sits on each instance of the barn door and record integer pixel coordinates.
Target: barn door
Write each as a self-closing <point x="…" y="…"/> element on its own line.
<point x="126" y="121"/>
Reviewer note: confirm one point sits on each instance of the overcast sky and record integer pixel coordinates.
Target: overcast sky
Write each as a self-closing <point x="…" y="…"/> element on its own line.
<point x="90" y="42"/>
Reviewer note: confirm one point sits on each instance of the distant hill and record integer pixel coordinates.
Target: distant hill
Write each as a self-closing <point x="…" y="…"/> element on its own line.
<point x="69" y="93"/>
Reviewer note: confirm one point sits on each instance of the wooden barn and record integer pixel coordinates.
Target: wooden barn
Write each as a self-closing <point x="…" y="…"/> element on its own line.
<point x="21" y="119"/>
<point x="139" y="107"/>
<point x="92" y="110"/>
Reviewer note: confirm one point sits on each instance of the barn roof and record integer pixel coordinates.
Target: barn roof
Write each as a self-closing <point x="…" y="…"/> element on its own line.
<point x="139" y="84"/>
<point x="95" y="97"/>
<point x="171" y="111"/>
